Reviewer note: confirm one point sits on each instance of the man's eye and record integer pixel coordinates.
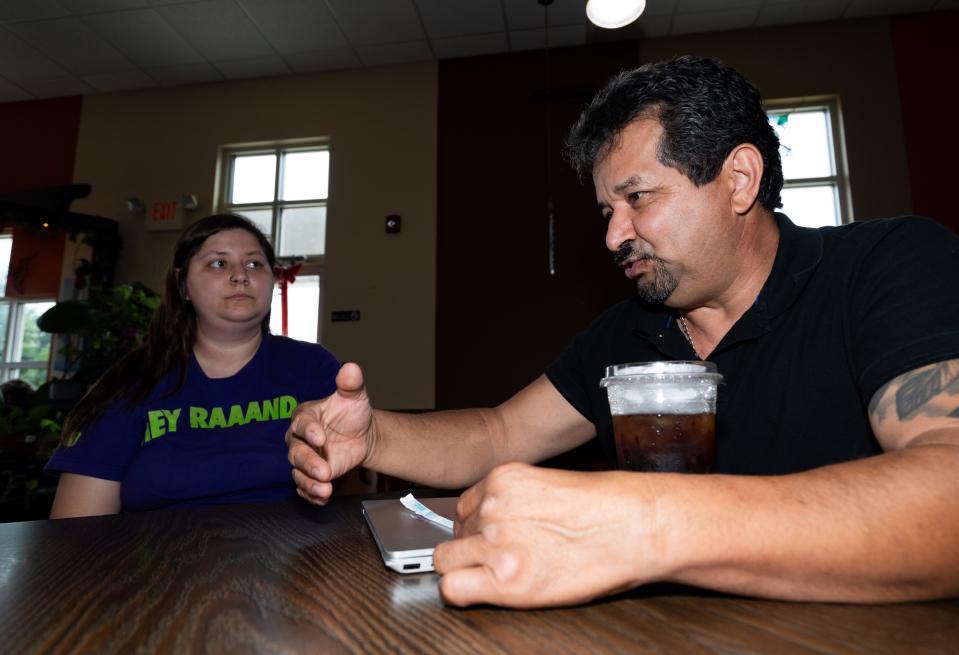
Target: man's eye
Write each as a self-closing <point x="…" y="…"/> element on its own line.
<point x="634" y="196"/>
<point x="608" y="216"/>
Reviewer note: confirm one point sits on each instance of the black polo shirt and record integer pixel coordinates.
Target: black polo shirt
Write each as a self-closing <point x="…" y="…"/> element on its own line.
<point x="844" y="310"/>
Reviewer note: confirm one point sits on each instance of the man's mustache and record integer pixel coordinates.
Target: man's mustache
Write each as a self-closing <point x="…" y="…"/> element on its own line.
<point x="627" y="250"/>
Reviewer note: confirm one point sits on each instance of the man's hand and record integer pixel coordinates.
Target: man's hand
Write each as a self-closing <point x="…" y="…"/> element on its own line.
<point x="329" y="437"/>
<point x="535" y="537"/>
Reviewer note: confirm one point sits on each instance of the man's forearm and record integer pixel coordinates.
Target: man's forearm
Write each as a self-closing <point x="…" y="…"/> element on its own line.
<point x="880" y="529"/>
<point x="451" y="449"/>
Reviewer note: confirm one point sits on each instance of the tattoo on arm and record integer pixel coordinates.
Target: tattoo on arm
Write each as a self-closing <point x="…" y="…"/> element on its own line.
<point x="915" y="389"/>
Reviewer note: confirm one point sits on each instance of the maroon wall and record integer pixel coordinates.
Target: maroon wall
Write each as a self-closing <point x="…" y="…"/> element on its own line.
<point x="926" y="54"/>
<point x="39" y="143"/>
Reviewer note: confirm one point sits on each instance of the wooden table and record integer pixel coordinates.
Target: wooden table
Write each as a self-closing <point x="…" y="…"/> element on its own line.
<point x="290" y="578"/>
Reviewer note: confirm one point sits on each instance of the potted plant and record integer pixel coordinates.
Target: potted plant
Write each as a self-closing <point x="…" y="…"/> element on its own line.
<point x="100" y="329"/>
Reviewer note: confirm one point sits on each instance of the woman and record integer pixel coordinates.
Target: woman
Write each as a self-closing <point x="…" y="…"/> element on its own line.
<point x="197" y="414"/>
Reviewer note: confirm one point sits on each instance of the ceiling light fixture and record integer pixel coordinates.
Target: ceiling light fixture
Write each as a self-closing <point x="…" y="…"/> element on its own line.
<point x="611" y="14"/>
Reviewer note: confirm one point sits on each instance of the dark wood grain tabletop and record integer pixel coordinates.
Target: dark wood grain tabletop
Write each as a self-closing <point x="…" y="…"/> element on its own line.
<point x="291" y="578"/>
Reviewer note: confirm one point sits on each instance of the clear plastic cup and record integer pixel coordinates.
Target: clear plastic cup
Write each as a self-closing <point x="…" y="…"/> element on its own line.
<point x="664" y="415"/>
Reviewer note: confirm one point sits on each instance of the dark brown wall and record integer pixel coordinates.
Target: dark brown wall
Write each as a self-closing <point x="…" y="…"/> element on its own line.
<point x="926" y="55"/>
<point x="501" y="318"/>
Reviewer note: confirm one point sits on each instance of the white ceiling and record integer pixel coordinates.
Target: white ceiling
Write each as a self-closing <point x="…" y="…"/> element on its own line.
<point x="51" y="48"/>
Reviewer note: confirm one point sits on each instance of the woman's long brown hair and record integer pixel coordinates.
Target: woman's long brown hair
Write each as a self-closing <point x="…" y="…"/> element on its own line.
<point x="171" y="336"/>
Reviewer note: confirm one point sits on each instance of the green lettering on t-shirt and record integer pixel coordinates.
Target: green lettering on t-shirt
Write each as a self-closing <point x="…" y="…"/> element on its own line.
<point x="287" y="405"/>
<point x="198" y="418"/>
<point x="271" y="409"/>
<point x="217" y="419"/>
<point x="236" y="416"/>
<point x="253" y="412"/>
<point x="72" y="441"/>
<point x="172" y="418"/>
<point x="155" y="419"/>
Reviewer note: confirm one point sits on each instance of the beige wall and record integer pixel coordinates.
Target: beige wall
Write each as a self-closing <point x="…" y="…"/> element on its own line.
<point x="853" y="59"/>
<point x="381" y="122"/>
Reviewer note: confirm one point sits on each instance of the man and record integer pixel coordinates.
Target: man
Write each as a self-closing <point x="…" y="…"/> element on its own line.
<point x="837" y="465"/>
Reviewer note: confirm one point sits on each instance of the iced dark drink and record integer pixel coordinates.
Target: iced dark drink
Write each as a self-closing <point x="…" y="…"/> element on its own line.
<point x="664" y="415"/>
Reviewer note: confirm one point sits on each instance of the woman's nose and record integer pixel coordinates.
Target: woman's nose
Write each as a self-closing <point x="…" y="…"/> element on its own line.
<point x="239" y="275"/>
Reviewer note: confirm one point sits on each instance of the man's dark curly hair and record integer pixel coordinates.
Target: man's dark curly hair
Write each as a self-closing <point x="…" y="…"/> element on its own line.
<point x="706" y="109"/>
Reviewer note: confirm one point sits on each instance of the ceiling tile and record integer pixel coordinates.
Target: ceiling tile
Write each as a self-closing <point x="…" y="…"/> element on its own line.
<point x="469" y="46"/>
<point x="20" y="63"/>
<point x="73" y="45"/>
<point x="33" y="10"/>
<point x="860" y="8"/>
<point x="144" y="37"/>
<point x="59" y="87"/>
<point x="659" y="8"/>
<point x="714" y="20"/>
<point x="121" y="81"/>
<point x="10" y="92"/>
<point x="695" y="6"/>
<point x="449" y="18"/>
<point x="559" y="37"/>
<point x="294" y="26"/>
<point x="185" y="74"/>
<point x="804" y="11"/>
<point x="247" y="68"/>
<point x="218" y="29"/>
<point x="529" y="15"/>
<point x="394" y="53"/>
<point x="396" y="21"/>
<point x="96" y="6"/>
<point x="650" y="27"/>
<point x="323" y="60"/>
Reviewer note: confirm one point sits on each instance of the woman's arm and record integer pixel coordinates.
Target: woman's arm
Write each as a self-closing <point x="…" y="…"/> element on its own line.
<point x="82" y="495"/>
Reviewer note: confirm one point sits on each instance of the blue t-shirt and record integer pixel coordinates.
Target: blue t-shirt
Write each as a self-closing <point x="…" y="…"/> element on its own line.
<point x="213" y="441"/>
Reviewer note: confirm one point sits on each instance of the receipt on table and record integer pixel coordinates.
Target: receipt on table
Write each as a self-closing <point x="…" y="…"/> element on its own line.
<point x="418" y="508"/>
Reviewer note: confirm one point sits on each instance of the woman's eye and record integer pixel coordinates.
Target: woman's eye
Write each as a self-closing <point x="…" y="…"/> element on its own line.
<point x="216" y="263"/>
<point x="254" y="264"/>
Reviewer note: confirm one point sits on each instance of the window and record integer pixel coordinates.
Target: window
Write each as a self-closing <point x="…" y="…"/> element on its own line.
<point x="284" y="189"/>
<point x="816" y="189"/>
<point x="24" y="349"/>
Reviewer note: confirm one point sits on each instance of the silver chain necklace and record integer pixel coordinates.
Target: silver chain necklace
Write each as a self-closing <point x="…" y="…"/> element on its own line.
<point x="684" y="328"/>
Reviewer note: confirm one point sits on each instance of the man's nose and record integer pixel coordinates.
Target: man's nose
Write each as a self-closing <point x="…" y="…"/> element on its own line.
<point x="619" y="230"/>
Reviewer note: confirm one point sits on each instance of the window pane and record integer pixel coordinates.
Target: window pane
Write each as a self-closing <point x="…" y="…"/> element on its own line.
<point x="804" y="143"/>
<point x="4" y="324"/>
<point x="253" y="179"/>
<point x="303" y="307"/>
<point x="263" y="219"/>
<point x="306" y="175"/>
<point x="6" y="245"/>
<point x="302" y="231"/>
<point x="36" y="344"/>
<point x="812" y="206"/>
<point x="35" y="376"/>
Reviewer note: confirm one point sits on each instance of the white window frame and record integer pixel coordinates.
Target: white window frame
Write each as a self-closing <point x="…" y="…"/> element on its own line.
<point x="837" y="141"/>
<point x="13" y="346"/>
<point x="311" y="264"/>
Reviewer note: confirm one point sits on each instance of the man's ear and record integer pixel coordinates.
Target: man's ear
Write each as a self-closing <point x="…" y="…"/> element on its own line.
<point x="744" y="169"/>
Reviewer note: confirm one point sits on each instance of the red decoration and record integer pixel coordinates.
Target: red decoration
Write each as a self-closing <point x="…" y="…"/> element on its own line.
<point x="285" y="275"/>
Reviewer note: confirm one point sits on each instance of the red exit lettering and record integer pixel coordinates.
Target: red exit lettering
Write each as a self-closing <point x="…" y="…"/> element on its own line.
<point x="163" y="211"/>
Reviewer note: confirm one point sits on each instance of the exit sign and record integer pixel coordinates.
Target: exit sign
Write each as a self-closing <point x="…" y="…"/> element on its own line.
<point x="164" y="215"/>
